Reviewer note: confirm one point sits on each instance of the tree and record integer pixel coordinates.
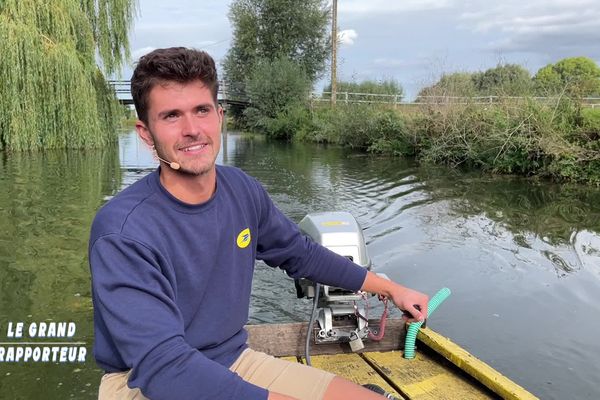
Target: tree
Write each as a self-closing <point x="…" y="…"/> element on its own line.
<point x="504" y="80"/>
<point x="277" y="90"/>
<point x="547" y="81"/>
<point x="271" y="29"/>
<point x="275" y="85"/>
<point x="53" y="93"/>
<point x="385" y="86"/>
<point x="459" y="84"/>
<point x="576" y="76"/>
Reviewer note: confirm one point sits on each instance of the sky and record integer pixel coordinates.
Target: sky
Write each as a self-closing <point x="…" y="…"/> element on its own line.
<point x="411" y="41"/>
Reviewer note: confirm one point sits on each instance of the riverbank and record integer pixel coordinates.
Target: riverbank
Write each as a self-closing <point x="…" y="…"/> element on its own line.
<point x="560" y="141"/>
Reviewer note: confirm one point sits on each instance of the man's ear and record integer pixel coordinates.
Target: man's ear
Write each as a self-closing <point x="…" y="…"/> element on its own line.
<point x="221" y="113"/>
<point x="144" y="133"/>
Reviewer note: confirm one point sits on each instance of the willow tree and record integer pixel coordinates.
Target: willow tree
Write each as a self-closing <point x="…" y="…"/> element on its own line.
<point x="53" y="59"/>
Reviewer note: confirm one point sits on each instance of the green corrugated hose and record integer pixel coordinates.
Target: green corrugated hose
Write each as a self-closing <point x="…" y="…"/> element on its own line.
<point x="413" y="329"/>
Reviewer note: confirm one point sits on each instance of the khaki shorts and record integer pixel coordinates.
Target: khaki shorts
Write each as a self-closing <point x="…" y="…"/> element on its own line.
<point x="276" y="375"/>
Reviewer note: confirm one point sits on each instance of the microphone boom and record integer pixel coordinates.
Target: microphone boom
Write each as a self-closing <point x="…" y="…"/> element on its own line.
<point x="174" y="165"/>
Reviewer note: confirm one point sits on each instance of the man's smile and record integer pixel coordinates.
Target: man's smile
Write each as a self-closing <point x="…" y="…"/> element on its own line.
<point x="194" y="147"/>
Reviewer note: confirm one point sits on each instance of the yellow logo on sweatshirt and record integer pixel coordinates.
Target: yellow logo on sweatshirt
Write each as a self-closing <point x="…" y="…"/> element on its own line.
<point x="243" y="239"/>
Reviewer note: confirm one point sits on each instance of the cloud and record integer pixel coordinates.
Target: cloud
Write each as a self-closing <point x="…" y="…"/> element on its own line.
<point x="189" y="23"/>
<point x="394" y="63"/>
<point x="347" y="36"/>
<point x="362" y="7"/>
<point x="540" y="27"/>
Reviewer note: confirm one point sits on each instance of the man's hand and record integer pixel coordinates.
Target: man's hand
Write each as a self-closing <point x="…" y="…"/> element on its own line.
<point x="410" y="301"/>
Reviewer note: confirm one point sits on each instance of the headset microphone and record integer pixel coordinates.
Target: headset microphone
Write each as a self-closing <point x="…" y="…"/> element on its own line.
<point x="174" y="165"/>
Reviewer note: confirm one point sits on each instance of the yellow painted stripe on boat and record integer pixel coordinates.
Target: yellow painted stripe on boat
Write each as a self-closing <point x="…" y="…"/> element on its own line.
<point x="485" y="374"/>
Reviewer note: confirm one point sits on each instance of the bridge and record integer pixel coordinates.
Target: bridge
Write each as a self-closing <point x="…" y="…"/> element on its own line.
<point x="227" y="95"/>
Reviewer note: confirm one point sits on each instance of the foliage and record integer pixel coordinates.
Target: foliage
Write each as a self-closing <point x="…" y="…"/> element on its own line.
<point x="500" y="139"/>
<point x="110" y="22"/>
<point x="53" y="93"/>
<point x="293" y="120"/>
<point x="385" y="86"/>
<point x="369" y="128"/>
<point x="275" y="89"/>
<point x="272" y="29"/>
<point x="455" y="84"/>
<point x="273" y="85"/>
<point x="547" y="81"/>
<point x="590" y="122"/>
<point x="531" y="138"/>
<point x="576" y="76"/>
<point x="351" y="126"/>
<point x="503" y="80"/>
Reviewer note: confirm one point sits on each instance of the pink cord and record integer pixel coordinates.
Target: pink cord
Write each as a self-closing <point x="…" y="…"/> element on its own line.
<point x="382" y="322"/>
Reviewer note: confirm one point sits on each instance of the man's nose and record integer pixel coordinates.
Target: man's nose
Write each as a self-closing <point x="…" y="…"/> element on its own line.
<point x="190" y="125"/>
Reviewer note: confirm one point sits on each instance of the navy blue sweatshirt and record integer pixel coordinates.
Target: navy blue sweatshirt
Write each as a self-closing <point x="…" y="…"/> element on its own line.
<point x="171" y="282"/>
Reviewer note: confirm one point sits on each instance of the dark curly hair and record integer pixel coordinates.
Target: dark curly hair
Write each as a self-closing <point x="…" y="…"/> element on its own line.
<point x="175" y="64"/>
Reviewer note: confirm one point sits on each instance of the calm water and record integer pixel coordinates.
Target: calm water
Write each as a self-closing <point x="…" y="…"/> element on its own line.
<point x="522" y="258"/>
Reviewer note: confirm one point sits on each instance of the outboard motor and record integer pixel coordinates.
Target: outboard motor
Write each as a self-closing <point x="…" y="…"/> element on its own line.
<point x="338" y="313"/>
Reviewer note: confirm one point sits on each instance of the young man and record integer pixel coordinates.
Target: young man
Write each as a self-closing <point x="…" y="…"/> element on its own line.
<point x="172" y="258"/>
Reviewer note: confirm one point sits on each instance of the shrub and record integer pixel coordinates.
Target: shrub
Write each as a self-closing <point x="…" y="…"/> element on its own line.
<point x="590" y="121"/>
<point x="275" y="89"/>
<point x="506" y="138"/>
<point x="289" y="122"/>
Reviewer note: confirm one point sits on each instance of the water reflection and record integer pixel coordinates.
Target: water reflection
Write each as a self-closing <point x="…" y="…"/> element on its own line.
<point x="47" y="203"/>
<point x="522" y="257"/>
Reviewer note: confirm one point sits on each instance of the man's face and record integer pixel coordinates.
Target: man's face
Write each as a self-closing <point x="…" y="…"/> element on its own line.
<point x="184" y="125"/>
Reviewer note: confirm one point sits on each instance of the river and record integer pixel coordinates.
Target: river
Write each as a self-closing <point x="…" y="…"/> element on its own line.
<point x="521" y="256"/>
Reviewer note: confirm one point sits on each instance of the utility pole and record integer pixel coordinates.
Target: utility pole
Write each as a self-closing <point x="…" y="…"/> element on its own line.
<point x="333" y="52"/>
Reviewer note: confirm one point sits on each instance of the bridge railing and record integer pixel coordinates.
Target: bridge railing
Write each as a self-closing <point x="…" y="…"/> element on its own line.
<point x="396" y="99"/>
<point x="350" y="97"/>
<point x="235" y="93"/>
<point x="590" y="101"/>
<point x="123" y="86"/>
<point x="228" y="93"/>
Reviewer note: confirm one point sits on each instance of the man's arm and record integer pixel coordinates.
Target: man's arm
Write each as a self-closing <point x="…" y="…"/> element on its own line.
<point x="404" y="298"/>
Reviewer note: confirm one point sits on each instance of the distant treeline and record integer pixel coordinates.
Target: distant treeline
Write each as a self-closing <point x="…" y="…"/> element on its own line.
<point x="385" y="86"/>
<point x="575" y="77"/>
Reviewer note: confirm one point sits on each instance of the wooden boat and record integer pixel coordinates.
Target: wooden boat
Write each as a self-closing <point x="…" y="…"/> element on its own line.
<point x="440" y="370"/>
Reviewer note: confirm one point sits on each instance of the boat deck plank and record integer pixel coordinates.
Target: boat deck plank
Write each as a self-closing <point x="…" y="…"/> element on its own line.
<point x="426" y="377"/>
<point x="352" y="367"/>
